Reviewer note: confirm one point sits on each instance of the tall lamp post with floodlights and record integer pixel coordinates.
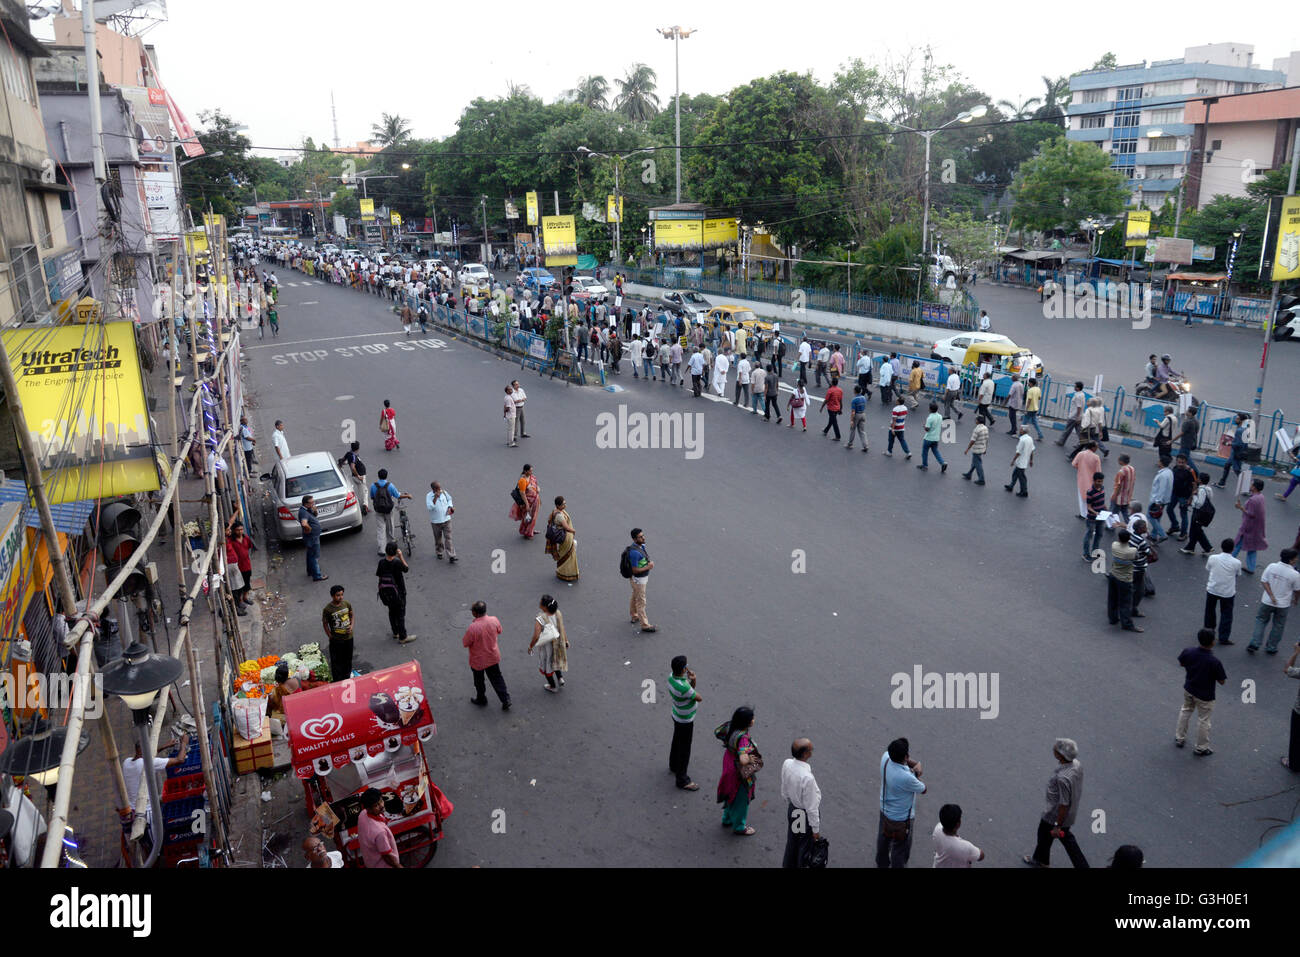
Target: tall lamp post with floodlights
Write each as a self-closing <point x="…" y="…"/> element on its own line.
<point x="618" y="158"/>
<point x="973" y="113"/>
<point x="136" y="678"/>
<point x="677" y="34"/>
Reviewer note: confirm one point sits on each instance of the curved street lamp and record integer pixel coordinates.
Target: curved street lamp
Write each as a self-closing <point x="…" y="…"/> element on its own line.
<point x="136" y="678"/>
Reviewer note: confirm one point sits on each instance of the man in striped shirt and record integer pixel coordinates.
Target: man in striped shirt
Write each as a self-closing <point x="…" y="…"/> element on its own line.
<point x="897" y="421"/>
<point x="681" y="688"/>
<point x="1138" y="539"/>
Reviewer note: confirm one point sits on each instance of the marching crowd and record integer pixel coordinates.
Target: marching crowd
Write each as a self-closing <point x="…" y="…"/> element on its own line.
<point x="665" y="348"/>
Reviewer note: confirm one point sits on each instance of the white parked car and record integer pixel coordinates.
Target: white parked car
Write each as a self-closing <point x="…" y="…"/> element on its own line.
<point x="589" y="287"/>
<point x="472" y="274"/>
<point x="953" y="350"/>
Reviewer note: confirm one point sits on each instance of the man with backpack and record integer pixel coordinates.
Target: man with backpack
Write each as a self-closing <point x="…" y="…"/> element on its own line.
<point x="391" y="572"/>
<point x="636" y="566"/>
<point x="357" y="469"/>
<point x="384" y="496"/>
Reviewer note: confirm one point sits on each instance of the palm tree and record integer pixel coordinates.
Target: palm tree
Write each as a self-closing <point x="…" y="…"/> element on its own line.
<point x="591" y="92"/>
<point x="1020" y="112"/>
<point x="636" y="94"/>
<point x="1056" y="92"/>
<point x="391" y="130"/>
<point x="514" y="89"/>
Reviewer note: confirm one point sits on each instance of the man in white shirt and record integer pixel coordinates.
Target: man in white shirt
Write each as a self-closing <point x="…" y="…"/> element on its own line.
<point x="863" y="368"/>
<point x="520" y="397"/>
<point x="742" y="380"/>
<point x="1221" y="590"/>
<point x="949" y="849"/>
<point x="440" y="507"/>
<point x="951" y="394"/>
<point x="133" y="774"/>
<point x="985" y="397"/>
<point x="696" y="366"/>
<point x="1280" y="582"/>
<point x="823" y="357"/>
<point x="805" y="355"/>
<point x="803" y="798"/>
<point x="1022" y="459"/>
<point x="720" y="367"/>
<point x="280" y="441"/>
<point x="636" y="349"/>
<point x="886" y="381"/>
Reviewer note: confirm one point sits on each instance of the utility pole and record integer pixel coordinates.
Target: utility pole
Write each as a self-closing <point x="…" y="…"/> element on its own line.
<point x="1271" y="316"/>
<point x="487" y="244"/>
<point x="92" y="88"/>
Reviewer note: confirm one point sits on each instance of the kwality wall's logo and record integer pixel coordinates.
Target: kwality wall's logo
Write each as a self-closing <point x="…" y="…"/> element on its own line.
<point x="48" y="362"/>
<point x="322" y="728"/>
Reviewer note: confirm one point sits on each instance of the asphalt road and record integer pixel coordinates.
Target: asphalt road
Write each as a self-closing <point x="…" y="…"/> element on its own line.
<point x="798" y="577"/>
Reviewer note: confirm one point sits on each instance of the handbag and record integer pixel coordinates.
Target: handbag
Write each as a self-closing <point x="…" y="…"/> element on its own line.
<point x="554" y="533"/>
<point x="518" y="497"/>
<point x="752" y="767"/>
<point x="1153" y="553"/>
<point x="549" y="633"/>
<point x="1156" y="510"/>
<point x="816" y="853"/>
<point x="893" y="830"/>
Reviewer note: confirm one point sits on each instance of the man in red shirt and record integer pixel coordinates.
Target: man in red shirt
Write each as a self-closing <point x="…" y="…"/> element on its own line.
<point x="378" y="846"/>
<point x="833" y="403"/>
<point x="484" y="655"/>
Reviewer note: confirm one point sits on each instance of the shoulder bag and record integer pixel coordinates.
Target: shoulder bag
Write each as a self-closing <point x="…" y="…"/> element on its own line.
<point x="893" y="830"/>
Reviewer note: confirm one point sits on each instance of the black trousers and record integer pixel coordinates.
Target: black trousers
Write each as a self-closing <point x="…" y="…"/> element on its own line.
<point x="493" y="673"/>
<point x="679" y="754"/>
<point x="1196" y="536"/>
<point x="893" y="853"/>
<point x="695" y="385"/>
<point x="397" y="617"/>
<point x="1119" y="601"/>
<point x="833" y="422"/>
<point x="798" y="836"/>
<point x="864" y="382"/>
<point x="340" y="658"/>
<point x="1223" y="606"/>
<point x="771" y="402"/>
<point x="1043" y="850"/>
<point x="1139" y="587"/>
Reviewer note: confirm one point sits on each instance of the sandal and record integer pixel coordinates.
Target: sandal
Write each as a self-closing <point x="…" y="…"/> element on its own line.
<point x="690" y="787"/>
<point x="748" y="831"/>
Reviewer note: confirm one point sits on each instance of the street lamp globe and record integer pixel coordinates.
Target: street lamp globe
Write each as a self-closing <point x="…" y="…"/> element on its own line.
<point x="38" y="754"/>
<point x="138" y="676"/>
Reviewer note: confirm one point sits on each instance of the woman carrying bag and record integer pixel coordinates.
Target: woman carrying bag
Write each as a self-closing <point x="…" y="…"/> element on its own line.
<point x="551" y="642"/>
<point x="741" y="763"/>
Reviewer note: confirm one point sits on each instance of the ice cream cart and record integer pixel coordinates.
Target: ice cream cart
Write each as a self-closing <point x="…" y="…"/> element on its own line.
<point x="369" y="732"/>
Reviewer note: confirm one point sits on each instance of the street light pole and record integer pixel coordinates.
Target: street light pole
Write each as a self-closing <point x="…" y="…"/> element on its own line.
<point x="925" y="216"/>
<point x="677" y="34"/>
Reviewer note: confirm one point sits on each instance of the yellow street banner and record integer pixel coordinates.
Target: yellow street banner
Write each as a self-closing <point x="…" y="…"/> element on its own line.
<point x="214" y="220"/>
<point x="721" y="232"/>
<point x="679" y="234"/>
<point x="1286" y="250"/>
<point x="196" y="242"/>
<point x="613" y="208"/>
<point x="1137" y="228"/>
<point x="530" y="199"/>
<point x="560" y="240"/>
<point x="84" y="408"/>
<point x="395" y="219"/>
<point x="367" y="210"/>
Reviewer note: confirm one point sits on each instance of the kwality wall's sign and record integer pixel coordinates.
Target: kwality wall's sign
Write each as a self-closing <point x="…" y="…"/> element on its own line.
<point x="84" y="409"/>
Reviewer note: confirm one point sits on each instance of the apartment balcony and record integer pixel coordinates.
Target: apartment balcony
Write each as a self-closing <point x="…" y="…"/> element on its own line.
<point x="1080" y="109"/>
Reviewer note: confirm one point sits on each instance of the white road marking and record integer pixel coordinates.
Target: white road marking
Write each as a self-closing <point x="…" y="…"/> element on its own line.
<point x="303" y="342"/>
<point x="343" y="398"/>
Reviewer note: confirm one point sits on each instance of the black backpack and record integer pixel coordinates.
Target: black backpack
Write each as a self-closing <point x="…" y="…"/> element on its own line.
<point x="625" y="563"/>
<point x="1204" y="514"/>
<point x="383" y="498"/>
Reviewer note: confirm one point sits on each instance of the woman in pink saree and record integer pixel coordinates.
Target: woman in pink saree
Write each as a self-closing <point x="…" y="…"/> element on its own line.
<point x="530" y="492"/>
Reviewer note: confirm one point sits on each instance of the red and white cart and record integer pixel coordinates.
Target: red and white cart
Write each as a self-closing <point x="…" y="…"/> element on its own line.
<point x="364" y="732"/>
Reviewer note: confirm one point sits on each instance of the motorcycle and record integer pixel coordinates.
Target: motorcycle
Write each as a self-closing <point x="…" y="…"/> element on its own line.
<point x="1150" y="388"/>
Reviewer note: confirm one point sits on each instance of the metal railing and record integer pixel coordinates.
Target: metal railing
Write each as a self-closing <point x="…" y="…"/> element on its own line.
<point x="959" y="316"/>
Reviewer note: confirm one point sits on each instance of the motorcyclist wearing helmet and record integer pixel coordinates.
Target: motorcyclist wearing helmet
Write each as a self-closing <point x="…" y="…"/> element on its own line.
<point x="1164" y="374"/>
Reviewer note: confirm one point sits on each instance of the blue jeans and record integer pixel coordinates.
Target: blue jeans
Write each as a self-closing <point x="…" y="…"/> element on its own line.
<point x="1250" y="556"/>
<point x="901" y="441"/>
<point x="927" y="446"/>
<point x="1157" y="530"/>
<point x="313" y="557"/>
<point x="648" y="367"/>
<point x="1179" y="524"/>
<point x="1031" y="418"/>
<point x="1278" y="615"/>
<point x="1092" y="530"/>
<point x="756" y="401"/>
<point x="977" y="464"/>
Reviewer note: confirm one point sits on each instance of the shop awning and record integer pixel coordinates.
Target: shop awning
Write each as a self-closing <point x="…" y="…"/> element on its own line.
<point x="347" y="721"/>
<point x="69" y="518"/>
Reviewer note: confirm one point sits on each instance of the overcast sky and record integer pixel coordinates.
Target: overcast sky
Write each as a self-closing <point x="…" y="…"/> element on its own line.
<point x="271" y="64"/>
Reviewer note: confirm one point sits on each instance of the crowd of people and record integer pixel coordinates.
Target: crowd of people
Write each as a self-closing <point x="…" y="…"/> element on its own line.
<point x="752" y="361"/>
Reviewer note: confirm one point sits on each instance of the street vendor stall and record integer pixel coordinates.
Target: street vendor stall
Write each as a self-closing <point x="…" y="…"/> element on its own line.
<point x="1194" y="293"/>
<point x="369" y="732"/>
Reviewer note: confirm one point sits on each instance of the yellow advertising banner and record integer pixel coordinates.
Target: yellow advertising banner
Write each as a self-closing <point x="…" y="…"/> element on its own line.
<point x="367" y="210"/>
<point x="84" y="409"/>
<point x="530" y="200"/>
<point x="214" y="220"/>
<point x="721" y="232"/>
<point x="395" y="219"/>
<point x="196" y="242"/>
<point x="613" y="208"/>
<point x="1137" y="228"/>
<point x="1286" y="253"/>
<point x="679" y="234"/>
<point x="560" y="240"/>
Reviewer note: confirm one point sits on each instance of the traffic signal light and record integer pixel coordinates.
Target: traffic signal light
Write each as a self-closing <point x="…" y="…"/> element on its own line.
<point x="119" y="525"/>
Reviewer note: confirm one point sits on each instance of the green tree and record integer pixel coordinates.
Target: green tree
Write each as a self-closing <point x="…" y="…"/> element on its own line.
<point x="1019" y="111"/>
<point x="221" y="182"/>
<point x="636" y="98"/>
<point x="1056" y="93"/>
<point x="591" y="92"/>
<point x="1066" y="182"/>
<point x="345" y="203"/>
<point x="1215" y="223"/>
<point x="1107" y="61"/>
<point x="391" y="130"/>
<point x="966" y="239"/>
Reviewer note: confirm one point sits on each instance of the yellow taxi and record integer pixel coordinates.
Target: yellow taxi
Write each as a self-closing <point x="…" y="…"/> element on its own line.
<point x="736" y="316"/>
<point x="1005" y="357"/>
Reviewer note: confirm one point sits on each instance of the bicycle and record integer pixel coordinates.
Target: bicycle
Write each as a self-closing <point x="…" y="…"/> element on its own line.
<point x="408" y="533"/>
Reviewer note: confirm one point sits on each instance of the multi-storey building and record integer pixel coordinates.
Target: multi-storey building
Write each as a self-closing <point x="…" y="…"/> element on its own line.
<point x="1122" y="110"/>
